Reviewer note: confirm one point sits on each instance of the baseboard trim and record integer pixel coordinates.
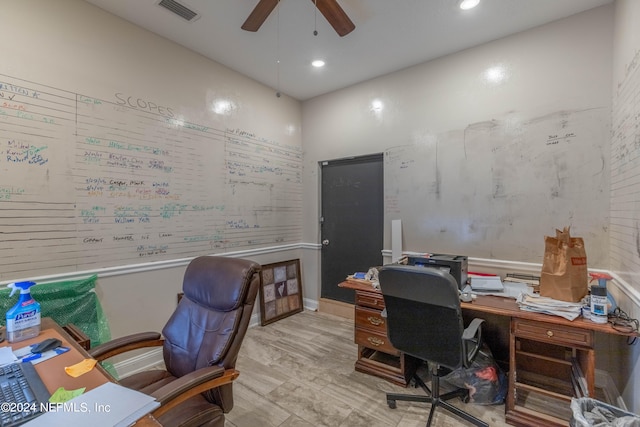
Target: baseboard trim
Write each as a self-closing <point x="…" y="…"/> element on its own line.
<point x="337" y="308"/>
<point x="139" y="363"/>
<point x="625" y="288"/>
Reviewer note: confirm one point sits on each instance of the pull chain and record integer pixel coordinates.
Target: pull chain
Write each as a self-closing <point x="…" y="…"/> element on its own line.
<point x="315" y="14"/>
<point x="278" y="52"/>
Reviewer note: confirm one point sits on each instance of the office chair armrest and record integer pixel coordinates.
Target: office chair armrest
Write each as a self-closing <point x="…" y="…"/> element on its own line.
<point x="124" y="344"/>
<point x="192" y="384"/>
<point x="472" y="335"/>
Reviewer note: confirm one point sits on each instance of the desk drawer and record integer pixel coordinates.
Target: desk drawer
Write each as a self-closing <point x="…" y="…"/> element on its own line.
<point x="370" y="319"/>
<point x="551" y="333"/>
<point x="370" y="299"/>
<point x="374" y="340"/>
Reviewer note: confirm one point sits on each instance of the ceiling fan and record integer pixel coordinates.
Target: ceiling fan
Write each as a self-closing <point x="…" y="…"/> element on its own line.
<point x="329" y="8"/>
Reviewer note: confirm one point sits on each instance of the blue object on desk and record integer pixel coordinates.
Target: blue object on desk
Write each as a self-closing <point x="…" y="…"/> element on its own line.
<point x="359" y="275"/>
<point x="41" y="357"/>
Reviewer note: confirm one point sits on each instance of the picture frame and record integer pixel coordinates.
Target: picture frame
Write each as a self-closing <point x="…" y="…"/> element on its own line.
<point x="280" y="291"/>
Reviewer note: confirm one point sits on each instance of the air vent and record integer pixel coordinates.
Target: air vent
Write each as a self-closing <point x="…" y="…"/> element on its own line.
<point x="179" y="9"/>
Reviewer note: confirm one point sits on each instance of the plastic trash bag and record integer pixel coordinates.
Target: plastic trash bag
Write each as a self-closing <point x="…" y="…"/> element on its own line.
<point x="589" y="412"/>
<point x="487" y="383"/>
<point x="69" y="301"/>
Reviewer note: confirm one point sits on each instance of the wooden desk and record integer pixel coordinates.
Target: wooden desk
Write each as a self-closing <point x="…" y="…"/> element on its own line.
<point x="52" y="370"/>
<point x="376" y="355"/>
<point x="542" y="351"/>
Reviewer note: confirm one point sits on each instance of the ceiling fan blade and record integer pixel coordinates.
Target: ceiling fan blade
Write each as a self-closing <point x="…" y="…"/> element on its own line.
<point x="259" y="15"/>
<point x="336" y="16"/>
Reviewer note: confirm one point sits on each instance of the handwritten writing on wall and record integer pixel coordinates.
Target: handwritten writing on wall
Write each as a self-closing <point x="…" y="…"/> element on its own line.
<point x="94" y="183"/>
<point x="625" y="174"/>
<point x="496" y="188"/>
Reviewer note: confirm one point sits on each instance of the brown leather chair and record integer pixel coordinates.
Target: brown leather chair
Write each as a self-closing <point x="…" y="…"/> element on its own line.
<point x="200" y="343"/>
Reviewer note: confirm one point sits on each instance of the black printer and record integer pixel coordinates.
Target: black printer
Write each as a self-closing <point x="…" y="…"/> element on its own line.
<point x="456" y="265"/>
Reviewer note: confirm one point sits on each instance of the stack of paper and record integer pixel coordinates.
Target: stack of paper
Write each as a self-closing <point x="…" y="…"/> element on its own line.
<point x="486" y="284"/>
<point x="568" y="310"/>
<point x="515" y="289"/>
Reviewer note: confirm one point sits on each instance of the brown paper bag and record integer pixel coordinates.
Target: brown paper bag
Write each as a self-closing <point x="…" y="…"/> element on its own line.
<point x="564" y="268"/>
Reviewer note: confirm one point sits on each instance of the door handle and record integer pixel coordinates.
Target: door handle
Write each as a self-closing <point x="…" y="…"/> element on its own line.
<point x="325" y="242"/>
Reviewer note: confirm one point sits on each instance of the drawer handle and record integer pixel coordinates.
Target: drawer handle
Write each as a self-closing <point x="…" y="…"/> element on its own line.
<point x="549" y="334"/>
<point x="375" y="341"/>
<point x="376" y="321"/>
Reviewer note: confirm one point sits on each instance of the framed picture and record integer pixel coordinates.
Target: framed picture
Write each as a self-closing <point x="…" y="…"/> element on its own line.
<point x="281" y="291"/>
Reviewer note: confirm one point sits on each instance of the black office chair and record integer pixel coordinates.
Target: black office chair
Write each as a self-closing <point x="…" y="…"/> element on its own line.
<point x="424" y="320"/>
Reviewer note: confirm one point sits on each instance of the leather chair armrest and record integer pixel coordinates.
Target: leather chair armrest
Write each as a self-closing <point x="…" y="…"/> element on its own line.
<point x="124" y="344"/>
<point x="471" y="341"/>
<point x="196" y="382"/>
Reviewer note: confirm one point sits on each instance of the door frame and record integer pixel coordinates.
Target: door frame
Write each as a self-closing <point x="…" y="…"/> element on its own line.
<point x="326" y="305"/>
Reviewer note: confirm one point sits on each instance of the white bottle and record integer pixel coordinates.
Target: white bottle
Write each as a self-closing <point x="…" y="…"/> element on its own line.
<point x="599" y="303"/>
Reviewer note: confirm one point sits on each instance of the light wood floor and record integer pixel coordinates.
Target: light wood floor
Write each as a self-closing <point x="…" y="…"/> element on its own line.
<point x="299" y="372"/>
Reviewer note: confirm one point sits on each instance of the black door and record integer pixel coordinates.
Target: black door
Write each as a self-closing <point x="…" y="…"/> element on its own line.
<point x="352" y="221"/>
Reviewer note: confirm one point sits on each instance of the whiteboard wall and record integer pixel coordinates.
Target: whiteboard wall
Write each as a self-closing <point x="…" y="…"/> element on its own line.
<point x="493" y="187"/>
<point x="110" y="158"/>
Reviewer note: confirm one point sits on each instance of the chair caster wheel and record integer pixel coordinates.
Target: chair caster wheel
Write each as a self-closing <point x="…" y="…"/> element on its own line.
<point x="392" y="404"/>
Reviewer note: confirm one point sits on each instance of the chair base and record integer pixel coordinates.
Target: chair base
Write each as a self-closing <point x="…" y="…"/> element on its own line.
<point x="436" y="400"/>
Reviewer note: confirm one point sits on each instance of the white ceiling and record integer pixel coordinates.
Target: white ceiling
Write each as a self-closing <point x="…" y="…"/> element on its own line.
<point x="390" y="35"/>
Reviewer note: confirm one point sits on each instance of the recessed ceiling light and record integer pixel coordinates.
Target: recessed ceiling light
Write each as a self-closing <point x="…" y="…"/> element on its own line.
<point x="468" y="4"/>
<point x="318" y="63"/>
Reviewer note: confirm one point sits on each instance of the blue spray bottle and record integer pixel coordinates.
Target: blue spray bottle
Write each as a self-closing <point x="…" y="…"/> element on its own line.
<point x="23" y="319"/>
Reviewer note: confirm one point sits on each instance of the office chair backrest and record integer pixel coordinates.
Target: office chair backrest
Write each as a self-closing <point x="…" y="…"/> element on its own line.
<point x="424" y="318"/>
<point x="209" y="324"/>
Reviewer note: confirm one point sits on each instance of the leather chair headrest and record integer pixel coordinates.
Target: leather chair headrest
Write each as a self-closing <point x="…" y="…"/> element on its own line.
<point x="204" y="271"/>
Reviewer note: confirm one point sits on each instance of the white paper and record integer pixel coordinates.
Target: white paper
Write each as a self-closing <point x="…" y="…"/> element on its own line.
<point x="110" y="405"/>
<point x="538" y="304"/>
<point x="515" y="289"/>
<point x="6" y="356"/>
<point x="25" y="352"/>
<point x="511" y="290"/>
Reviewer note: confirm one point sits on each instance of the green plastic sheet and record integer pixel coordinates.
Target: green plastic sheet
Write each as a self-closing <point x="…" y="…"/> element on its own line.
<point x="69" y="301"/>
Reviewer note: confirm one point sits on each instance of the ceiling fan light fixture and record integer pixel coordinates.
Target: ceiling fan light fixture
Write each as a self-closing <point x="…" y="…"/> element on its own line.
<point x="468" y="4"/>
<point x="317" y="63"/>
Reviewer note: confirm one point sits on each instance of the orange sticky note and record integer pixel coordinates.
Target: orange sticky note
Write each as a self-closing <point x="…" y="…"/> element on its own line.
<point x="80" y="368"/>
